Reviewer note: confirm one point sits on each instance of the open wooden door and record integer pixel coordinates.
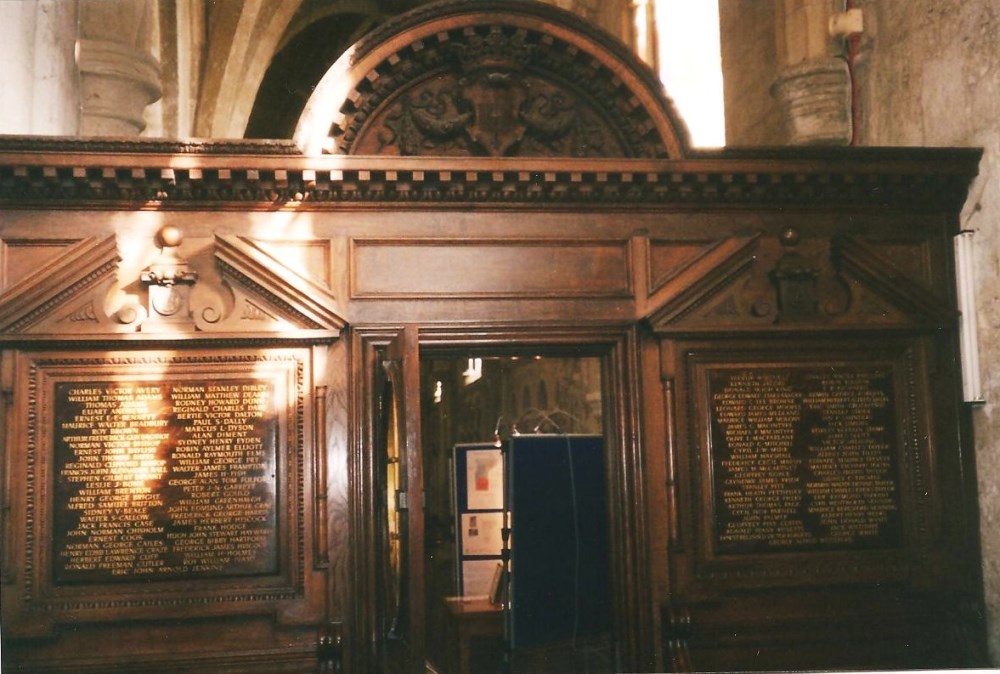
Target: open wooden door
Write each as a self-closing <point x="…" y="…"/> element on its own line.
<point x="401" y="590"/>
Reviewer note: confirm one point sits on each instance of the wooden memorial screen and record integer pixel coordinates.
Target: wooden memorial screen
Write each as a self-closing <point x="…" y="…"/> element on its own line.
<point x="189" y="425"/>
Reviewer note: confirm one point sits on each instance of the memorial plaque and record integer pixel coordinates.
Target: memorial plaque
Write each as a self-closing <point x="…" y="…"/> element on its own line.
<point x="804" y="458"/>
<point x="164" y="479"/>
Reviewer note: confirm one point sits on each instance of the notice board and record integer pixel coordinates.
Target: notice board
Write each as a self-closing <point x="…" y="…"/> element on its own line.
<point x="479" y="516"/>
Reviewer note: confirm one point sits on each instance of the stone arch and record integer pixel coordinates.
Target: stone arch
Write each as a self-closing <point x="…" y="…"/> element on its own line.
<point x="313" y="41"/>
<point x="242" y="42"/>
<point x="474" y="78"/>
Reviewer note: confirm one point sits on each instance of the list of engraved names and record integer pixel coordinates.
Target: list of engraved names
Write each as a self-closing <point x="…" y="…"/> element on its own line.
<point x="156" y="479"/>
<point x="804" y="458"/>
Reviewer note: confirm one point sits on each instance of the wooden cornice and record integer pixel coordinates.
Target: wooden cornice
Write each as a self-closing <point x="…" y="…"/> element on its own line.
<point x="75" y="177"/>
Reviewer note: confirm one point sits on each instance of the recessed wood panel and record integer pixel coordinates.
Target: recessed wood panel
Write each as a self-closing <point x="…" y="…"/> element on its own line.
<point x="913" y="257"/>
<point x="460" y="268"/>
<point x="312" y="258"/>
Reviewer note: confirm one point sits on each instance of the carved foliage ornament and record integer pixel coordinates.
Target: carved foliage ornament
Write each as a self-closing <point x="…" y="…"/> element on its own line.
<point x="495" y="90"/>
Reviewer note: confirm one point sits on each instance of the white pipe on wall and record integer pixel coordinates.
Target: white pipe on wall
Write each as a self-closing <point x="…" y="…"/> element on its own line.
<point x="972" y="388"/>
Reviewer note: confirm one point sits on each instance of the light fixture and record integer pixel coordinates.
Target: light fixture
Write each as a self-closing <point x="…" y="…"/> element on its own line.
<point x="972" y="387"/>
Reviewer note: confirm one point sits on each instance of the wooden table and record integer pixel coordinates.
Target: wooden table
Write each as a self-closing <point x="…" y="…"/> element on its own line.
<point x="469" y="618"/>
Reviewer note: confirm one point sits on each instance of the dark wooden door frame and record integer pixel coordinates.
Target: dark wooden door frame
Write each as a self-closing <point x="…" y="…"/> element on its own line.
<point x="618" y="348"/>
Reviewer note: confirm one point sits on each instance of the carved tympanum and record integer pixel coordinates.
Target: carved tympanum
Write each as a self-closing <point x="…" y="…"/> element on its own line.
<point x="485" y="100"/>
<point x="471" y="79"/>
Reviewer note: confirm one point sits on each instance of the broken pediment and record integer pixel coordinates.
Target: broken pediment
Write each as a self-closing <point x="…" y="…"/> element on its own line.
<point x="66" y="293"/>
<point x="790" y="283"/>
<point x="267" y="294"/>
<point x="231" y="287"/>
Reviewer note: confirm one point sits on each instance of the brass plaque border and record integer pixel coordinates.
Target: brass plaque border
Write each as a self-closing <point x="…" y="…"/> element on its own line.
<point x="815" y="566"/>
<point x="213" y="595"/>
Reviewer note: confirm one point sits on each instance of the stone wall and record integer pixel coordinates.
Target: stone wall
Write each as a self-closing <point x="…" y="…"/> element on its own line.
<point x="749" y="66"/>
<point x="929" y="74"/>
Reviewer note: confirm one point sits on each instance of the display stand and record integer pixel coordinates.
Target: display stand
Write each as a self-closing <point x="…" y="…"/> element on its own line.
<point x="479" y="517"/>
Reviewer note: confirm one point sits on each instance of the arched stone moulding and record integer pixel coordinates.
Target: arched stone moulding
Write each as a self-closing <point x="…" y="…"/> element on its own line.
<point x="474" y="79"/>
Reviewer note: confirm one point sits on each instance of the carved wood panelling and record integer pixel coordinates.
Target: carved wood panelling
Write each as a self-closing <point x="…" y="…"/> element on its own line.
<point x="913" y="258"/>
<point x="246" y="291"/>
<point x="668" y="258"/>
<point x="787" y="282"/>
<point x="67" y="291"/>
<point x="499" y="268"/>
<point x="313" y="258"/>
<point x="455" y="80"/>
<point x="294" y="300"/>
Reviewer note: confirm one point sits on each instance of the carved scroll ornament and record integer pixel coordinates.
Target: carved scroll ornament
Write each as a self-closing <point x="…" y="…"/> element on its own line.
<point x="240" y="289"/>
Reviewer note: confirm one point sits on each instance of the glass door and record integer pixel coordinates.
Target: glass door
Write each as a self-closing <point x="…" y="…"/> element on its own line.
<point x="399" y="506"/>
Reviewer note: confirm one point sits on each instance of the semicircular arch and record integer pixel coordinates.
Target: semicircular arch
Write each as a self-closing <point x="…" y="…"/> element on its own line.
<point x="471" y="78"/>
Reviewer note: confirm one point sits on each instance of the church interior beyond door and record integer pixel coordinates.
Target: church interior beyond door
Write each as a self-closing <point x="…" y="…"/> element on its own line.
<point x="483" y="402"/>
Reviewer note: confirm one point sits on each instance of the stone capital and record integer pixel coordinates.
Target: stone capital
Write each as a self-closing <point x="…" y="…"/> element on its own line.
<point x="117" y="82"/>
<point x="815" y="101"/>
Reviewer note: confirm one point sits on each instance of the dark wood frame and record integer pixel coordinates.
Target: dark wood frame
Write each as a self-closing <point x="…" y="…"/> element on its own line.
<point x="713" y="572"/>
<point x="616" y="346"/>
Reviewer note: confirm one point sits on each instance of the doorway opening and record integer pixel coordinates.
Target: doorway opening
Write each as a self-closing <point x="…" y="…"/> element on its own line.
<point x="532" y="431"/>
<point x="474" y="568"/>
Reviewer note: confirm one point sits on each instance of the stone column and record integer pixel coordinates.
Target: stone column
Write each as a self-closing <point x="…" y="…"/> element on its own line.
<point x="813" y="86"/>
<point x="119" y="74"/>
<point x="38" y="77"/>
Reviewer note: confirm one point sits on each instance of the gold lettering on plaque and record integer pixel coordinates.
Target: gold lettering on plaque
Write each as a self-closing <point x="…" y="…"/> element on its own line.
<point x="758" y="412"/>
<point x="804" y="457"/>
<point x="850" y="462"/>
<point x="155" y="479"/>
